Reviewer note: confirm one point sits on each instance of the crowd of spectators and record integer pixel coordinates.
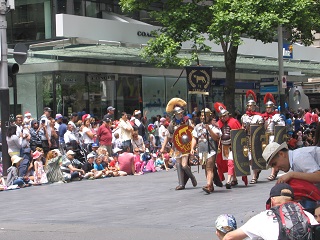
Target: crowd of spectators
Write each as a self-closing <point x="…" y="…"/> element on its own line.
<point x="61" y="149"/>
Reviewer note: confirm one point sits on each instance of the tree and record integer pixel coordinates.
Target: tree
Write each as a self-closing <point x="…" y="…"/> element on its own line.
<point x="224" y="22"/>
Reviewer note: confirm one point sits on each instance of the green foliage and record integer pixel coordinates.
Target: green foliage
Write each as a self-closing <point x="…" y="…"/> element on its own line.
<point x="224" y="22"/>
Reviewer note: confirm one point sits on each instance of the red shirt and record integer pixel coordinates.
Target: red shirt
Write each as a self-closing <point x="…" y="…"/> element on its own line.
<point x="105" y="135"/>
<point x="315" y="118"/>
<point x="308" y="118"/>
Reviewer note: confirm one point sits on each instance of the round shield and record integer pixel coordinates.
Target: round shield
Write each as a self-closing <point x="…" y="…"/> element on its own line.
<point x="182" y="138"/>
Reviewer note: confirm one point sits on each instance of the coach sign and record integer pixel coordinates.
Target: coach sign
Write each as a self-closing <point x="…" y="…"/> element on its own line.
<point x="199" y="79"/>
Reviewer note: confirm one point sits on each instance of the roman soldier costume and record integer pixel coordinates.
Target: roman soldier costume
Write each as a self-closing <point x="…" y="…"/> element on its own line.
<point x="205" y="136"/>
<point x="180" y="130"/>
<point x="271" y="119"/>
<point x="226" y="123"/>
<point x="251" y="117"/>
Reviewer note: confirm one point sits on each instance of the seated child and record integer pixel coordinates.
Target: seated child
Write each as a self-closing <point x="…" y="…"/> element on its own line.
<point x="160" y="163"/>
<point x="114" y="166"/>
<point x="138" y="163"/>
<point x="99" y="167"/>
<point x="225" y="223"/>
<point x="150" y="164"/>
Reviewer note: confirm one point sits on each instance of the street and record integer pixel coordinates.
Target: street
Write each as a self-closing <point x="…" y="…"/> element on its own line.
<point x="133" y="207"/>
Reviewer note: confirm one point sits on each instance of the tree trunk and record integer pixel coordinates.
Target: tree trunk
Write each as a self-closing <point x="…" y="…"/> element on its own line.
<point x="229" y="90"/>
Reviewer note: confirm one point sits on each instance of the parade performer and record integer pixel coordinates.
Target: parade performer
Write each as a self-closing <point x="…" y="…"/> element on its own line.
<point x="249" y="118"/>
<point x="271" y="119"/>
<point x="178" y="128"/>
<point x="226" y="123"/>
<point x="201" y="134"/>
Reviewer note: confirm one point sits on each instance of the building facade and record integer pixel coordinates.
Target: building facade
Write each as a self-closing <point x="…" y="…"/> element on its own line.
<point x="85" y="56"/>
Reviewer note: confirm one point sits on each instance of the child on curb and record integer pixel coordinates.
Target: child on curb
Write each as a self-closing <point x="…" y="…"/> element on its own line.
<point x="40" y="176"/>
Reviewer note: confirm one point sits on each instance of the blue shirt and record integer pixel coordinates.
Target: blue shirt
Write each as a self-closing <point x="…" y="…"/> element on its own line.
<point x="98" y="167"/>
<point x="62" y="131"/>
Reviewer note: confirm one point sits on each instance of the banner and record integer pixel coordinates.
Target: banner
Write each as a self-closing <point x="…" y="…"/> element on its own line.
<point x="199" y="79"/>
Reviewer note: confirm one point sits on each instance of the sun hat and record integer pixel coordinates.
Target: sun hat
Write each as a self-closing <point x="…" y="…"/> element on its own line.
<point x="15" y="159"/>
<point x="36" y="154"/>
<point x="70" y="152"/>
<point x="226" y="223"/>
<point x="271" y="150"/>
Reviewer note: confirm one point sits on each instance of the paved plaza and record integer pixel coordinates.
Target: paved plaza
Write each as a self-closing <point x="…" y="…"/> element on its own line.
<point x="133" y="207"/>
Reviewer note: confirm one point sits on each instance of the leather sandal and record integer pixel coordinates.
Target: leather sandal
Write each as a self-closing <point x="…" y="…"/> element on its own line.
<point x="253" y="181"/>
<point x="208" y="189"/>
<point x="272" y="177"/>
<point x="228" y="185"/>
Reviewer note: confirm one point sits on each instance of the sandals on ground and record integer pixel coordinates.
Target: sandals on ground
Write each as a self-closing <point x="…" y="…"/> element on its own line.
<point x="253" y="181"/>
<point x="272" y="177"/>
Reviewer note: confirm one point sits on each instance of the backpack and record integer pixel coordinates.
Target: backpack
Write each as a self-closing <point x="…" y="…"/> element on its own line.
<point x="294" y="224"/>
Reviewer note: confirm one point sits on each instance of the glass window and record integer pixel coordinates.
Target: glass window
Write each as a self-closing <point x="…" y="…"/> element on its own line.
<point x="153" y="95"/>
<point x="128" y="93"/>
<point x="29" y="21"/>
<point x="74" y="92"/>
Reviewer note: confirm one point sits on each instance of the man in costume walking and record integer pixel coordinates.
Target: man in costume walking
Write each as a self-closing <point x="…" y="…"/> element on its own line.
<point x="226" y="123"/>
<point x="181" y="138"/>
<point x="206" y="135"/>
<point x="251" y="117"/>
<point x="271" y="119"/>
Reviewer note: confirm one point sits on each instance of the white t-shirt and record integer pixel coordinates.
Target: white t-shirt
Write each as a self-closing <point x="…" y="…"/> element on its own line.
<point x="265" y="225"/>
<point x="86" y="138"/>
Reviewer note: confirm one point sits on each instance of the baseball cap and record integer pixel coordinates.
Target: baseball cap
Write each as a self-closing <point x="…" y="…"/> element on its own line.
<point x="110" y="108"/>
<point x="47" y="109"/>
<point x="116" y="150"/>
<point x="280" y="189"/>
<point x="58" y="116"/>
<point x="226" y="223"/>
<point x="271" y="150"/>
<point x="106" y="120"/>
<point x="162" y="119"/>
<point x="95" y="145"/>
<point x="27" y="114"/>
<point x="90" y="155"/>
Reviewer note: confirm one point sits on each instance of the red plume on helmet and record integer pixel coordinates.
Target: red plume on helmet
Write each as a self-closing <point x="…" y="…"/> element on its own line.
<point x="269" y="97"/>
<point x="220" y="108"/>
<point x="252" y="94"/>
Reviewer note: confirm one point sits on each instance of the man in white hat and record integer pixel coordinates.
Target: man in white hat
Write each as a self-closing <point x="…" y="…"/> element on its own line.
<point x="304" y="162"/>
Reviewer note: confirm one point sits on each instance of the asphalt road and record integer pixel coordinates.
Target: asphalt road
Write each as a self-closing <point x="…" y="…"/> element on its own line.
<point x="132" y="207"/>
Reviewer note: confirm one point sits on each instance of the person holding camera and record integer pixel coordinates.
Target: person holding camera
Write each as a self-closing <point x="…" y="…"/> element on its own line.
<point x="45" y="130"/>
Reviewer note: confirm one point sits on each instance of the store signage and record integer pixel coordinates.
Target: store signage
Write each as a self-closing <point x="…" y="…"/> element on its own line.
<point x="144" y="34"/>
<point x="287" y="51"/>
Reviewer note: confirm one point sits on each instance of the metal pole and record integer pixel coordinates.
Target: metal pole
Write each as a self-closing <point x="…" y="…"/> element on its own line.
<point x="282" y="95"/>
<point x="4" y="89"/>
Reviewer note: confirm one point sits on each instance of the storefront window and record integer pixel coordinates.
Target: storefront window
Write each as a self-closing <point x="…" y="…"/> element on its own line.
<point x="176" y="88"/>
<point x="73" y="92"/>
<point x="128" y="93"/>
<point x="153" y="93"/>
<point x="30" y="20"/>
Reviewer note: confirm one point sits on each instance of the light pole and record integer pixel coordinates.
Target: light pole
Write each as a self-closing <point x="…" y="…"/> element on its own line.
<point x="281" y="90"/>
<point x="4" y="88"/>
